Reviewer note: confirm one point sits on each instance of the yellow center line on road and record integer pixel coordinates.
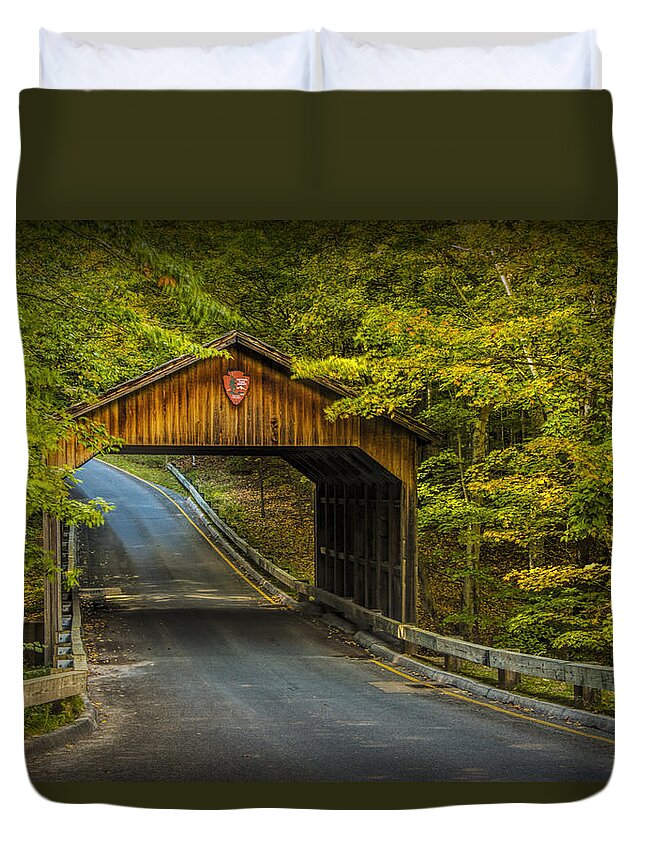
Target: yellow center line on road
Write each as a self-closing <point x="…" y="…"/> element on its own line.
<point x="189" y="519"/>
<point x="494" y="707"/>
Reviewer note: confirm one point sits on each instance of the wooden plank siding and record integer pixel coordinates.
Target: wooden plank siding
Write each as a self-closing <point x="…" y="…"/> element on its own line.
<point x="354" y="462"/>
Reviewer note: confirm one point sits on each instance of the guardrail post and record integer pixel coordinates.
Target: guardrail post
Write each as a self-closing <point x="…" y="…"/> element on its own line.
<point x="452" y="664"/>
<point x="586" y="697"/>
<point x="506" y="678"/>
<point x="410" y="648"/>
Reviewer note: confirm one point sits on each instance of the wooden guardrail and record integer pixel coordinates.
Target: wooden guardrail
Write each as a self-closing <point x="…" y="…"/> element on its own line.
<point x="68" y="682"/>
<point x="585" y="675"/>
<point x="509" y="664"/>
<point x="49" y="688"/>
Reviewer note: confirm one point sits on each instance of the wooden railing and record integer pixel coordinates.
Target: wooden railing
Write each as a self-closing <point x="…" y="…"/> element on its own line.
<point x="66" y="682"/>
<point x="49" y="688"/>
<point x="585" y="675"/>
<point x="71" y="680"/>
<point x="586" y="678"/>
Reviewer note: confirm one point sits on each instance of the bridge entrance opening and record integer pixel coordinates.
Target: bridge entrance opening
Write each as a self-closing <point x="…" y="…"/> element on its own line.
<point x="246" y="403"/>
<point x="356" y="516"/>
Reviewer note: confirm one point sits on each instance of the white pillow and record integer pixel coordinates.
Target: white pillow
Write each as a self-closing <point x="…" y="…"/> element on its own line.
<point x="564" y="62"/>
<point x="285" y="62"/>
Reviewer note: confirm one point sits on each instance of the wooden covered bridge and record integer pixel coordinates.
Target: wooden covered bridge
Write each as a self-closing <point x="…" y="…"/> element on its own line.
<point x="364" y="470"/>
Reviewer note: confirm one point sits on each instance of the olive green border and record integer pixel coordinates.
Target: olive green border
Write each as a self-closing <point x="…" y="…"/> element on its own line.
<point x="316" y="155"/>
<point x="313" y="795"/>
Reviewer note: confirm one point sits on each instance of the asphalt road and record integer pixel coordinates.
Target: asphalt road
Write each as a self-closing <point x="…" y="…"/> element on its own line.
<point x="197" y="677"/>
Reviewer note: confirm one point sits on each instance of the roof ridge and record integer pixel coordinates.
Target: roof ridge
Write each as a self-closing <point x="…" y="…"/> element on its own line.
<point x="244" y="339"/>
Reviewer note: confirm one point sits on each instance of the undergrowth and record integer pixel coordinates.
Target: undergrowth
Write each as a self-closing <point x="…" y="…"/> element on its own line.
<point x="41" y="719"/>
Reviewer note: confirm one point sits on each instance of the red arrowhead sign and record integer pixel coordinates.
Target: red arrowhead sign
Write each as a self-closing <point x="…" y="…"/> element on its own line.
<point x="236" y="384"/>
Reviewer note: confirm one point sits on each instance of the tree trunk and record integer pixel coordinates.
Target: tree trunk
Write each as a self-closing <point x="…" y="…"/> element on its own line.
<point x="469" y="590"/>
<point x="427" y="597"/>
<point x="261" y="477"/>
<point x="301" y="517"/>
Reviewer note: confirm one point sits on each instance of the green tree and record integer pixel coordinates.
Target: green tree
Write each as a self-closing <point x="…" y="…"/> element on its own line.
<point x="96" y="306"/>
<point x="495" y="334"/>
<point x="501" y="339"/>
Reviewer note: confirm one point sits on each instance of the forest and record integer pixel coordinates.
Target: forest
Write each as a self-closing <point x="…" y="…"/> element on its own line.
<point x="497" y="335"/>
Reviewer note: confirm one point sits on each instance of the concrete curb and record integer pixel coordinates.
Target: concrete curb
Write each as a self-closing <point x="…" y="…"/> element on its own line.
<point x="83" y="726"/>
<point x="494" y="694"/>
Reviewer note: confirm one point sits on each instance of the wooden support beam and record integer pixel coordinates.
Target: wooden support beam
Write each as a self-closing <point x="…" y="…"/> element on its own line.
<point x="355" y="540"/>
<point x="394" y="549"/>
<point x="316" y="506"/>
<point x="380" y="603"/>
<point x="329" y="578"/>
<point x="338" y="585"/>
<point x="52" y="544"/>
<point x="370" y="596"/>
<point x="321" y="559"/>
<point x="347" y="585"/>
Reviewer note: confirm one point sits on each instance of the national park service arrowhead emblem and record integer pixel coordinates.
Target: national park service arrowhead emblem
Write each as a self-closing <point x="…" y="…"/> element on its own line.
<point x="236" y="384"/>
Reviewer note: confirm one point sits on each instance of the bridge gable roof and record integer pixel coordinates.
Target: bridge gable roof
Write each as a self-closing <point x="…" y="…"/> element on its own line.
<point x="254" y="345"/>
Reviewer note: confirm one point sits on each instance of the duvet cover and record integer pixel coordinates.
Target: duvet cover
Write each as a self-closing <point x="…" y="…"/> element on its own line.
<point x="437" y="271"/>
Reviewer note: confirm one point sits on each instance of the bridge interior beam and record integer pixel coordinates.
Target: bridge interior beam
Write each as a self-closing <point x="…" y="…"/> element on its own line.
<point x="358" y="543"/>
